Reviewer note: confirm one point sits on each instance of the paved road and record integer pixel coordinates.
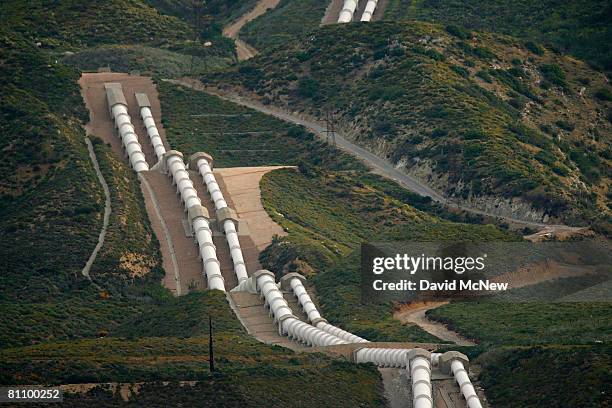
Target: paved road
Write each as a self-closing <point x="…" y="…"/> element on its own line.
<point x="377" y="164"/>
<point x="107" y="210"/>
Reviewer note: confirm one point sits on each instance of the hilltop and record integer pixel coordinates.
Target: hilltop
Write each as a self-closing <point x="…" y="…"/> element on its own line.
<point x="581" y="28"/>
<point x="484" y="118"/>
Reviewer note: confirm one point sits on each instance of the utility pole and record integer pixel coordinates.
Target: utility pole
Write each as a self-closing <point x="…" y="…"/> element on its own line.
<point x="211" y="350"/>
<point x="330" y="128"/>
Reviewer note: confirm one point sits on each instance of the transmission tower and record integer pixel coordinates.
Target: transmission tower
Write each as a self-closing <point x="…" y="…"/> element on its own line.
<point x="330" y="127"/>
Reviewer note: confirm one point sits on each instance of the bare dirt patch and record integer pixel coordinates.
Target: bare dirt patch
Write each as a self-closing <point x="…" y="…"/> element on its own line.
<point x="242" y="185"/>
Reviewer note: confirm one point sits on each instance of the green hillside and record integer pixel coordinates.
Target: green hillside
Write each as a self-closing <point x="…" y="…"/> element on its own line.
<point x="510" y="371"/>
<point x="124" y="34"/>
<point x="169" y="342"/>
<point x="581" y="28"/>
<point x="286" y="22"/>
<point x="473" y="114"/>
<point x="51" y="207"/>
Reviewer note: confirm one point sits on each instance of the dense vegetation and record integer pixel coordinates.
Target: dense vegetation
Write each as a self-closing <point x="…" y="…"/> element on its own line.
<point x="289" y="20"/>
<point x="528" y="323"/>
<point x="581" y="28"/>
<point x="327" y="215"/>
<point x="473" y="114"/>
<point x="513" y="377"/>
<point x="124" y="34"/>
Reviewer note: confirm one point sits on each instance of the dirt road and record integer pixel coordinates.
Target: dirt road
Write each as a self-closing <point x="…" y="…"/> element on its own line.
<point x="415" y="314"/>
<point x="377" y="164"/>
<point x="107" y="209"/>
<point x="244" y="50"/>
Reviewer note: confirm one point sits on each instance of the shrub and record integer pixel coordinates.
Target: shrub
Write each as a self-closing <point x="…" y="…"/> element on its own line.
<point x="458" y="32"/>
<point x="603" y="94"/>
<point x="554" y="74"/>
<point x="535" y="48"/>
<point x="309" y="88"/>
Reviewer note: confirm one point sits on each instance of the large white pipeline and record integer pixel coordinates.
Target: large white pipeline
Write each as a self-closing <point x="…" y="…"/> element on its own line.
<point x="454" y="363"/>
<point x="149" y="123"/>
<point x="197" y="215"/>
<point x="118" y="108"/>
<point x="348" y="9"/>
<point x="296" y="285"/>
<point x="420" y="375"/>
<point x="263" y="282"/>
<point x="229" y="224"/>
<point x="465" y="384"/>
<point x="369" y="10"/>
<point x="383" y="357"/>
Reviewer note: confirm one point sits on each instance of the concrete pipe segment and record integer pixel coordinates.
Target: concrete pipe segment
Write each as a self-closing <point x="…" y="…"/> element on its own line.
<point x="294" y="281"/>
<point x="225" y="215"/>
<point x="118" y="109"/>
<point x="420" y="375"/>
<point x="369" y="10"/>
<point x="455" y="363"/>
<point x="149" y="124"/>
<point x="348" y="9"/>
<point x="263" y="282"/>
<point x="198" y="217"/>
<point x="383" y="357"/>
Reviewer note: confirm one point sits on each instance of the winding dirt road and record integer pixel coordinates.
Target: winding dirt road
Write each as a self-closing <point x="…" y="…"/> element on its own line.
<point x="244" y="50"/>
<point x="415" y="314"/>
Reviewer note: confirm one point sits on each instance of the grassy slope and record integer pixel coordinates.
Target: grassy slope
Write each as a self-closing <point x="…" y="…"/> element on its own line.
<point x="509" y="372"/>
<point x="528" y="323"/>
<point x="196" y="121"/>
<point x="289" y="20"/>
<point x="581" y="28"/>
<point x="152" y="347"/>
<point x="484" y="112"/>
<point x="51" y="198"/>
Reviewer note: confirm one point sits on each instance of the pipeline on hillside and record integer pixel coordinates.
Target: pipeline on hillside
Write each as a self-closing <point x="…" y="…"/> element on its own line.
<point x="320" y="332"/>
<point x="226" y="216"/>
<point x="118" y="110"/>
<point x="294" y="282"/>
<point x="172" y="161"/>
